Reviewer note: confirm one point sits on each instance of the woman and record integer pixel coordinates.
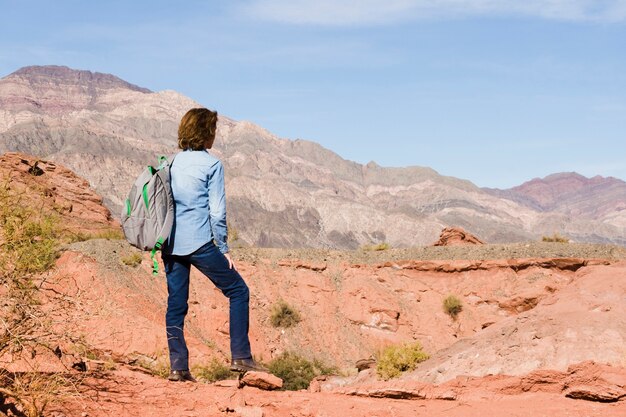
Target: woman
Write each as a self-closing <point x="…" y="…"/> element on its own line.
<point x="199" y="238"/>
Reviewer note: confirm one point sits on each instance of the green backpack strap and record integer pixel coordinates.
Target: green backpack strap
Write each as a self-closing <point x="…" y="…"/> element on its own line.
<point x="155" y="264"/>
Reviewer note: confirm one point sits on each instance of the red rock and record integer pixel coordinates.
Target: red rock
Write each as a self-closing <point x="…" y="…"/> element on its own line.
<point x="262" y="380"/>
<point x="453" y="236"/>
<point x="294" y="263"/>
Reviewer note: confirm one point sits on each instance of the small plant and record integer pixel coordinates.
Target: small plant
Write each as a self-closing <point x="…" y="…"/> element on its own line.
<point x="214" y="371"/>
<point x="296" y="371"/>
<point x="233" y="233"/>
<point x="376" y="248"/>
<point x="396" y="359"/>
<point x="133" y="259"/>
<point x="452" y="305"/>
<point x="555" y="238"/>
<point x="283" y="315"/>
<point x="109" y="234"/>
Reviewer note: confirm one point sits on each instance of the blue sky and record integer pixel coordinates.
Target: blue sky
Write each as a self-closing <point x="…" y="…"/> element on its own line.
<point x="494" y="91"/>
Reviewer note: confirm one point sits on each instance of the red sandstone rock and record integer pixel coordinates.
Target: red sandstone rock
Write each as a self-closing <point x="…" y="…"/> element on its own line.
<point x="304" y="265"/>
<point x="262" y="380"/>
<point x="453" y="236"/>
<point x="57" y="189"/>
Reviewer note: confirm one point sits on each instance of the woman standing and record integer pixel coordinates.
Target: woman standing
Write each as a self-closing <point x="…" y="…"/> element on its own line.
<point x="199" y="238"/>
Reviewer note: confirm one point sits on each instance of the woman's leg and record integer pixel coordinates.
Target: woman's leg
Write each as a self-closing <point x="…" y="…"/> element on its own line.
<point x="210" y="261"/>
<point x="177" y="273"/>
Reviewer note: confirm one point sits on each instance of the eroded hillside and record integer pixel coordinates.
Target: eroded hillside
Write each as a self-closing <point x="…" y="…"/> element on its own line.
<point x="527" y="337"/>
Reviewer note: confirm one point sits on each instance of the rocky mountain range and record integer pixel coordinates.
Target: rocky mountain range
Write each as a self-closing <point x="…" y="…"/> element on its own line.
<point x="288" y="193"/>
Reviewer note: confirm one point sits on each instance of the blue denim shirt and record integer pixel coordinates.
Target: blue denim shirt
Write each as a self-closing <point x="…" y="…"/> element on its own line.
<point x="197" y="179"/>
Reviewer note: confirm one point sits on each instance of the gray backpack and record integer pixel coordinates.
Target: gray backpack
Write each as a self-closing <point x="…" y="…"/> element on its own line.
<point x="148" y="215"/>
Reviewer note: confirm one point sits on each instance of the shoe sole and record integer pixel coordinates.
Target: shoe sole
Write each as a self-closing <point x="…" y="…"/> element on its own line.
<point x="243" y="370"/>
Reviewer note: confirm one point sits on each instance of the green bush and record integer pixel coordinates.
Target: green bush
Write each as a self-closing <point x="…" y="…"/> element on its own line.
<point x="396" y="359"/>
<point x="214" y="371"/>
<point x="296" y="371"/>
<point x="452" y="305"/>
<point x="283" y="315"/>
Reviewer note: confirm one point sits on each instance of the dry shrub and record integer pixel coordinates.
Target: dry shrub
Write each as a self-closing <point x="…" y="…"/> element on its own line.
<point x="375" y="248"/>
<point x="452" y="305"/>
<point x="109" y="234"/>
<point x="29" y="240"/>
<point x="134" y="259"/>
<point x="555" y="238"/>
<point x="396" y="359"/>
<point x="214" y="371"/>
<point x="283" y="315"/>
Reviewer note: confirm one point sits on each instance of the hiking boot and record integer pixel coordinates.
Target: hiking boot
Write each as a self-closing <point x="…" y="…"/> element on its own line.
<point x="245" y="365"/>
<point x="181" y="376"/>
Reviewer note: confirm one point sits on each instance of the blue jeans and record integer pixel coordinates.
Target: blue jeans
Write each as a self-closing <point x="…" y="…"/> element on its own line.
<point x="210" y="261"/>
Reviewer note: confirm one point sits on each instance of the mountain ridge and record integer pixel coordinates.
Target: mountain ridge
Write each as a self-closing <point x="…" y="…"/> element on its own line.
<point x="290" y="193"/>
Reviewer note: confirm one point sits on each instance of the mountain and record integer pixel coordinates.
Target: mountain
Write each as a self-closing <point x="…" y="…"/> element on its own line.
<point x="289" y="193"/>
<point x="574" y="196"/>
<point x="570" y="193"/>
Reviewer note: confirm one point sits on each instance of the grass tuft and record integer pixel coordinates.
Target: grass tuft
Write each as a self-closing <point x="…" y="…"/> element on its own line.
<point x="283" y="315"/>
<point x="376" y="248"/>
<point x="133" y="260"/>
<point x="214" y="371"/>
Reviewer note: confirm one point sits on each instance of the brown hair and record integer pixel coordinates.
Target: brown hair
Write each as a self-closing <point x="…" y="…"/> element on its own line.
<point x="196" y="127"/>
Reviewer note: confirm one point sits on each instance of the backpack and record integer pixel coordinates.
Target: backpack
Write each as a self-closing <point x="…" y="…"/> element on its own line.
<point x="148" y="215"/>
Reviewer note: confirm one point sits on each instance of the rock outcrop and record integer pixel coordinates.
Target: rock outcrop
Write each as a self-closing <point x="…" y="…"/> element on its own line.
<point x="452" y="236"/>
<point x="52" y="187"/>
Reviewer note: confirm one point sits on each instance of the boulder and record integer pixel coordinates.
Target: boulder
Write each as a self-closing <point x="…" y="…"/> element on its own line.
<point x="453" y="236"/>
<point x="261" y="380"/>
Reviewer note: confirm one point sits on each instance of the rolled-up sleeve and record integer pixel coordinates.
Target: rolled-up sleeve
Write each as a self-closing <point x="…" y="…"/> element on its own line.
<point x="217" y="207"/>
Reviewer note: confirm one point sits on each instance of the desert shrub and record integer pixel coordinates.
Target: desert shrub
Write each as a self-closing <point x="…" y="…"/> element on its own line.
<point x="233" y="233"/>
<point x="556" y="238"/>
<point x="375" y="248"/>
<point x="394" y="360"/>
<point x="29" y="240"/>
<point x="28" y="246"/>
<point x="452" y="305"/>
<point x="134" y="259"/>
<point x="214" y="371"/>
<point x="283" y="315"/>
<point x="298" y="372"/>
<point x="31" y="392"/>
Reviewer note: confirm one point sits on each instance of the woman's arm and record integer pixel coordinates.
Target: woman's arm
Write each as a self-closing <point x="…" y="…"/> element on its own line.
<point x="217" y="207"/>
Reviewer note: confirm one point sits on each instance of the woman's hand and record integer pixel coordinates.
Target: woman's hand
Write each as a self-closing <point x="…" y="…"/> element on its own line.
<point x="231" y="264"/>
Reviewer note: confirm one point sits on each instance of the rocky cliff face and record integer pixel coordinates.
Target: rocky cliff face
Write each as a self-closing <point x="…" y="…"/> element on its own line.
<point x="281" y="192"/>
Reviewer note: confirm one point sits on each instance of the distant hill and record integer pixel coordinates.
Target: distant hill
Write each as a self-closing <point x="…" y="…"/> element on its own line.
<point x="574" y="196"/>
<point x="288" y="193"/>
